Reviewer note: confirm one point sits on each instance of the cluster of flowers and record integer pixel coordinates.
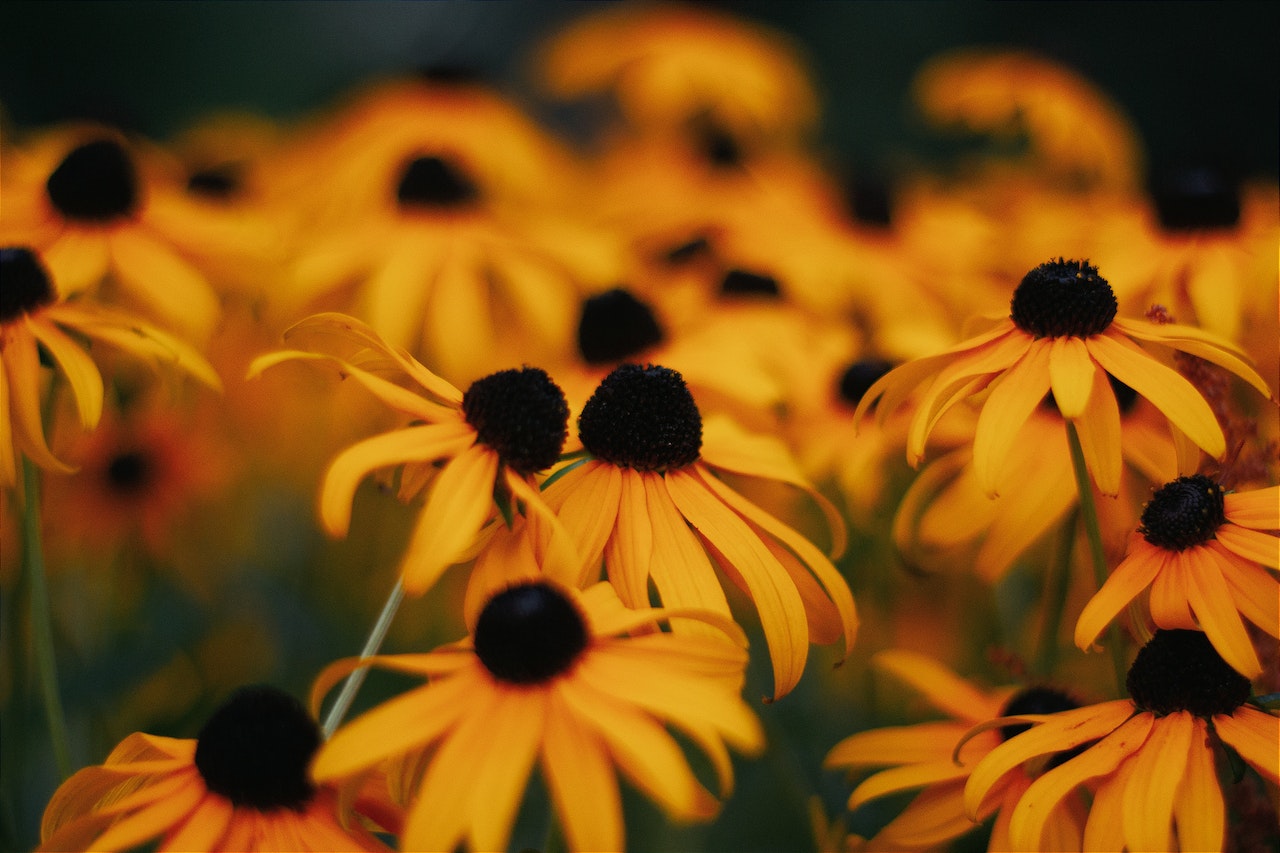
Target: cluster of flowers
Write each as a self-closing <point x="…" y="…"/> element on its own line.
<point x="692" y="363"/>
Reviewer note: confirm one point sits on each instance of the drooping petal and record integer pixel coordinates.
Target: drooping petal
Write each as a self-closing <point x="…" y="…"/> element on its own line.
<point x="204" y="827"/>
<point x="81" y="372"/>
<point x="1256" y="545"/>
<point x="908" y="777"/>
<point x="1104" y="829"/>
<point x="1254" y="734"/>
<point x="22" y="365"/>
<point x="1071" y="376"/>
<point x="155" y="818"/>
<point x="630" y="549"/>
<point x="157" y="275"/>
<point x="394" y="295"/>
<point x="1169" y="601"/>
<point x="1100" y="434"/>
<point x="1259" y="509"/>
<point x="460" y="502"/>
<point x="412" y="444"/>
<point x="8" y="453"/>
<point x="891" y="745"/>
<point x="1014" y="397"/>
<point x="428" y="664"/>
<point x="587" y="501"/>
<point x="142" y="340"/>
<point x="1199" y="812"/>
<point x="1153" y="788"/>
<point x="1028" y="511"/>
<point x="500" y="774"/>
<point x="580" y="777"/>
<point x="1214" y="606"/>
<point x="1256" y="592"/>
<point x="1167" y="389"/>
<point x="1197" y="342"/>
<point x="945" y="690"/>
<point x="934" y="817"/>
<point x="1134" y="574"/>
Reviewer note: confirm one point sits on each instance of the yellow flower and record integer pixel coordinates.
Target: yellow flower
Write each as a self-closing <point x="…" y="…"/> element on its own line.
<point x="1062" y="335"/>
<point x="1150" y="761"/>
<point x="928" y="756"/>
<point x="105" y="210"/>
<point x="241" y="785"/>
<point x="1203" y="553"/>
<point x="33" y="315"/>
<point x="648" y="499"/>
<point x="549" y="674"/>
<point x="492" y="440"/>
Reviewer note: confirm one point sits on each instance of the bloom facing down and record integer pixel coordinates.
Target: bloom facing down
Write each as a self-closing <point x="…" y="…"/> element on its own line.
<point x="923" y="756"/>
<point x="506" y="427"/>
<point x="34" y="316"/>
<point x="241" y="785"/>
<point x="548" y="675"/>
<point x="647" y="500"/>
<point x="1149" y="760"/>
<point x="1062" y="335"/>
<point x="1202" y="553"/>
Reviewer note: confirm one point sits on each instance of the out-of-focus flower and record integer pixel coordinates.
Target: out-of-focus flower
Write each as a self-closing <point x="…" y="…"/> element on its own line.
<point x="241" y="785"/>
<point x="1062" y="335"/>
<point x="1150" y="761"/>
<point x="1203" y="553"/>
<point x="491" y="440"/>
<point x="35" y="315"/>
<point x="109" y="213"/>
<point x="549" y="674"/>
<point x="648" y="498"/>
<point x="928" y="756"/>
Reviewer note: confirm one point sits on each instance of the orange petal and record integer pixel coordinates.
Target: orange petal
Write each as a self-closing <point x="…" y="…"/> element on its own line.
<point x="1257" y="545"/>
<point x="945" y="690"/>
<point x="1197" y="342"/>
<point x="1199" y="812"/>
<point x="1015" y="396"/>
<point x="582" y="783"/>
<point x="1134" y="574"/>
<point x="81" y="372"/>
<point x="153" y="819"/>
<point x="1149" y="797"/>
<point x="1071" y="375"/>
<point x="1256" y="592"/>
<point x="1254" y="734"/>
<point x="1259" y="509"/>
<point x="203" y="828"/>
<point x="1100" y="434"/>
<point x="501" y="773"/>
<point x="630" y="550"/>
<point x="157" y="275"/>
<point x="587" y="500"/>
<point x="22" y="365"/>
<point x="1215" y="609"/>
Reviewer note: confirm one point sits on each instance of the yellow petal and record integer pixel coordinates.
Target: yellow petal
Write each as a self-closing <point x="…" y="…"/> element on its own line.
<point x="933" y="818"/>
<point x="441" y="662"/>
<point x="919" y="743"/>
<point x="1015" y="396"/>
<point x="1100" y="434"/>
<point x="8" y="453"/>
<point x="81" y="372"/>
<point x="1259" y="509"/>
<point x="895" y="780"/>
<point x="1149" y="797"/>
<point x="394" y="295"/>
<point x="460" y="502"/>
<point x="1104" y="829"/>
<point x="461" y="298"/>
<point x="1197" y="342"/>
<point x="156" y="274"/>
<point x="1254" y="734"/>
<point x="22" y="365"/>
<point x="1167" y="389"/>
<point x="1027" y="511"/>
<point x="500" y="774"/>
<point x="1071" y="375"/>
<point x="1199" y="812"/>
<point x="629" y="552"/>
<point x="1134" y="574"/>
<point x="583" y="786"/>
<point x="587" y="501"/>
<point x="1256" y="593"/>
<point x="142" y="340"/>
<point x="1259" y="546"/>
<point x="1214" y="606"/>
<point x="78" y="260"/>
<point x="412" y="444"/>
<point x="154" y="819"/>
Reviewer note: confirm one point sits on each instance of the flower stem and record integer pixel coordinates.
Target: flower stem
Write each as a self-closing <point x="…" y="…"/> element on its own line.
<point x="351" y="686"/>
<point x="41" y="617"/>
<point x="1089" y="514"/>
<point x="1056" y="600"/>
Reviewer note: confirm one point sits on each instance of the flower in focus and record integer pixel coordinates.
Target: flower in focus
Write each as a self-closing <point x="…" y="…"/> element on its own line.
<point x="1150" y="761"/>
<point x="107" y="211"/>
<point x="35" y="316"/>
<point x="1203" y="553"/>
<point x="924" y="756"/>
<point x="549" y="674"/>
<point x="492" y="440"/>
<point x="1062" y="335"/>
<point x="647" y="499"/>
<point x="241" y="785"/>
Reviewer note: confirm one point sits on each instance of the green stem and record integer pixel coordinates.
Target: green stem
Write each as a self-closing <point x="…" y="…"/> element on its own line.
<point x="1056" y="601"/>
<point x="41" y="617"/>
<point x="351" y="686"/>
<point x="1089" y="513"/>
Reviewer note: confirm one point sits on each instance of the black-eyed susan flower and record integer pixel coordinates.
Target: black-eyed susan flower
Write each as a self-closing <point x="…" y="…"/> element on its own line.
<point x="1062" y="335"/>
<point x="924" y="757"/>
<point x="240" y="785"/>
<point x="1151" y="761"/>
<point x="491" y="440"/>
<point x="1203" y="553"/>
<point x="107" y="211"/>
<point x="649" y="500"/>
<point x="35" y="316"/>
<point x="548" y="675"/>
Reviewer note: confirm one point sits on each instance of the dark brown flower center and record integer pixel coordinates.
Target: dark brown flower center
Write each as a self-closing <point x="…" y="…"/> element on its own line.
<point x="218" y="181"/>
<point x="255" y="750"/>
<point x="130" y="472"/>
<point x="529" y="634"/>
<point x="95" y="182"/>
<point x="1199" y="199"/>
<point x="1063" y="298"/>
<point x="435" y="182"/>
<point x="522" y="414"/>
<point x="858" y="378"/>
<point x="1183" y="513"/>
<point x="746" y="283"/>
<point x="1180" y="670"/>
<point x="24" y="283"/>
<point x="616" y="325"/>
<point x="642" y="418"/>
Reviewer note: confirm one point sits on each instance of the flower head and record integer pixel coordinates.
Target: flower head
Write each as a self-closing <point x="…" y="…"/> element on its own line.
<point x="1062" y="336"/>
<point x="241" y="785"/>
<point x="549" y="675"/>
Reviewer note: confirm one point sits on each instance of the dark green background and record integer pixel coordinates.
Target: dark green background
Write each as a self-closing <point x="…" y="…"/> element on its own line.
<point x="1201" y="80"/>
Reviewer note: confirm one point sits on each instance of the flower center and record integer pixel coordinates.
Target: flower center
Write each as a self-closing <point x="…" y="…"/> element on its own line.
<point x="529" y="634"/>
<point x="24" y="284"/>
<point x="96" y="182"/>
<point x="1183" y="513"/>
<point x="743" y="283"/>
<point x="615" y="325"/>
<point x="715" y="143"/>
<point x="1063" y="298"/>
<point x="870" y="201"/>
<point x="130" y="472"/>
<point x="521" y="414"/>
<point x="858" y="378"/>
<point x="435" y="182"/>
<point x="642" y="418"/>
<point x="255" y="749"/>
<point x="1180" y="670"/>
<point x="1196" y="200"/>
<point x="220" y="182"/>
